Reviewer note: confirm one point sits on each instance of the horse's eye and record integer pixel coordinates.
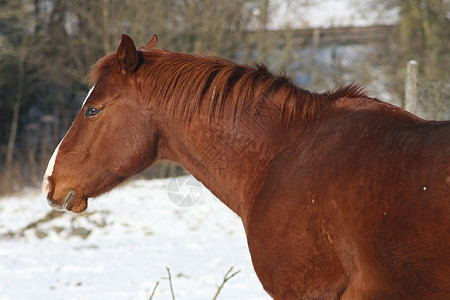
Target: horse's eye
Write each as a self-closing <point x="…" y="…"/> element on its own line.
<point x="91" y="111"/>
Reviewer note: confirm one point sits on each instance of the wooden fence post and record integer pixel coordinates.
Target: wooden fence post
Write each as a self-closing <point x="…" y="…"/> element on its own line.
<point x="315" y="50"/>
<point x="411" y="88"/>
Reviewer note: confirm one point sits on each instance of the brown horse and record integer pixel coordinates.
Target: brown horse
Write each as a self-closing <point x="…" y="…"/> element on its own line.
<point x="342" y="196"/>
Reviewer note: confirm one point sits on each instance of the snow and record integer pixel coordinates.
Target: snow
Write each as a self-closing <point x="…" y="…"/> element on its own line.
<point x="120" y="247"/>
<point x="329" y="14"/>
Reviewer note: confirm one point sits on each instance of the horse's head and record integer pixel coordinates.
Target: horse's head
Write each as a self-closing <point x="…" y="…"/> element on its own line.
<point x="112" y="138"/>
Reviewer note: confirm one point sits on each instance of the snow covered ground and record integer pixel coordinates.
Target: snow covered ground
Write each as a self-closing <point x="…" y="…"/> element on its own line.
<point x="330" y="13"/>
<point x="120" y="247"/>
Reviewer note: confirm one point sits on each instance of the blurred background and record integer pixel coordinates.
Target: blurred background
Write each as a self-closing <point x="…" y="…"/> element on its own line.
<point x="48" y="46"/>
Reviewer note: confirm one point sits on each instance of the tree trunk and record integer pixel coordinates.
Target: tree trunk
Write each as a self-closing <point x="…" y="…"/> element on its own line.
<point x="16" y="107"/>
<point x="106" y="27"/>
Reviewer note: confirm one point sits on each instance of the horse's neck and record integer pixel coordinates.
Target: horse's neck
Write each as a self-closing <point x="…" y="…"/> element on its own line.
<point x="230" y="157"/>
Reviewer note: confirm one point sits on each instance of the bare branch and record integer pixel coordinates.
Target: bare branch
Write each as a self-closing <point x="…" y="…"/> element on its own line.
<point x="170" y="282"/>
<point x="153" y="292"/>
<point x="225" y="279"/>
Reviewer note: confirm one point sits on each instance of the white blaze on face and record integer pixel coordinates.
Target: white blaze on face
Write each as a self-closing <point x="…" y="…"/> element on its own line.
<point x="87" y="97"/>
<point x="51" y="164"/>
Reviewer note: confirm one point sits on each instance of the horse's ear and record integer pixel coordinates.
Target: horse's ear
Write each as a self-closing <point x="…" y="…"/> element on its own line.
<point x="127" y="54"/>
<point x="152" y="43"/>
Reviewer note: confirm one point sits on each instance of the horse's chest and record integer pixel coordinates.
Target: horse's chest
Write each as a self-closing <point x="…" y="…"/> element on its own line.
<point x="294" y="254"/>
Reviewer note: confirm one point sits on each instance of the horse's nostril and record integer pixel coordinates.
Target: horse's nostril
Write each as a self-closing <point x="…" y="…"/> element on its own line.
<point x="69" y="201"/>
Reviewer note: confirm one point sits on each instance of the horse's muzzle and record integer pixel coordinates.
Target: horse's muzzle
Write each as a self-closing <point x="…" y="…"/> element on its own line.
<point x="46" y="191"/>
<point x="54" y="205"/>
<point x="68" y="204"/>
<point x="45" y="187"/>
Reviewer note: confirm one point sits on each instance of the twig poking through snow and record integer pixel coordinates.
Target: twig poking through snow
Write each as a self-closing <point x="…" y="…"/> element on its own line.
<point x="170" y="282"/>
<point x="154" y="289"/>
<point x="225" y="279"/>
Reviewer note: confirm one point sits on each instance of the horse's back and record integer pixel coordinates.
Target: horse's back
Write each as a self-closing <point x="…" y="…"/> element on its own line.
<point x="361" y="203"/>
